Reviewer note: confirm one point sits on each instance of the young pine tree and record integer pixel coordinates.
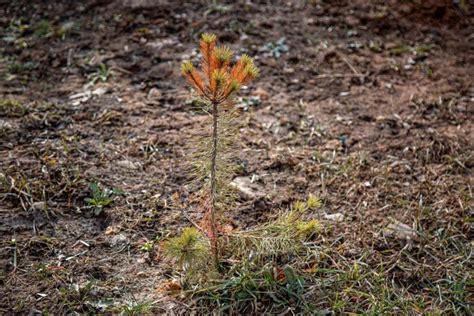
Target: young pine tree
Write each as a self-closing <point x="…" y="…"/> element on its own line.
<point x="216" y="83"/>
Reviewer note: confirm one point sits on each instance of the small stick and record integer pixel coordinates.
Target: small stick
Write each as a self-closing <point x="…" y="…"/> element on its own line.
<point x="338" y="76"/>
<point x="192" y="222"/>
<point x="350" y="65"/>
<point x="14" y="255"/>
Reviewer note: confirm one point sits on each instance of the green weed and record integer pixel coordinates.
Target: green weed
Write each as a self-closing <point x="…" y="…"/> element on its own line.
<point x="103" y="73"/>
<point x="276" y="49"/>
<point x="101" y="197"/>
<point x="43" y="29"/>
<point x="21" y="68"/>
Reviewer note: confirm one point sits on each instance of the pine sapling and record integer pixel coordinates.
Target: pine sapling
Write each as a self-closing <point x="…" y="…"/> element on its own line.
<point x="216" y="84"/>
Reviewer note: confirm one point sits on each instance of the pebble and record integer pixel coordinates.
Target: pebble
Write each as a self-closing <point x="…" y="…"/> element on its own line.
<point x="129" y="164"/>
<point x="400" y="231"/>
<point x="118" y="240"/>
<point x="39" y="206"/>
<point x="247" y="188"/>
<point x="337" y="217"/>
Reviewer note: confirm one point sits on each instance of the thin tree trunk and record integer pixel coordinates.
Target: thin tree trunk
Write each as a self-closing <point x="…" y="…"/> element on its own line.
<point x="213" y="183"/>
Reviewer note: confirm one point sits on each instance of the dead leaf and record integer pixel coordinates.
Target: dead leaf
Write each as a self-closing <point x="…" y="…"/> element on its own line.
<point x="170" y="286"/>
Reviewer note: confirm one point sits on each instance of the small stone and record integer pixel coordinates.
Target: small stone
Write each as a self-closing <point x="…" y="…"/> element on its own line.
<point x="247" y="189"/>
<point x="391" y="45"/>
<point x="351" y="20"/>
<point x="261" y="93"/>
<point x="300" y="181"/>
<point x="337" y="217"/>
<point x="154" y="93"/>
<point x="129" y="164"/>
<point x="39" y="206"/>
<point x="421" y="178"/>
<point x="352" y="33"/>
<point x="400" y="231"/>
<point x="79" y="95"/>
<point x="4" y="125"/>
<point x="118" y="240"/>
<point x="332" y="144"/>
<point x="99" y="91"/>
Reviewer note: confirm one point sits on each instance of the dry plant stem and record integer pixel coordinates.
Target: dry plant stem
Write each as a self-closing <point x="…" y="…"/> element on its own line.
<point x="213" y="183"/>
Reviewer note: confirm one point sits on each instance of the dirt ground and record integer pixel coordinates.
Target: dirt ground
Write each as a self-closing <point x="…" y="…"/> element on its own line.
<point x="365" y="104"/>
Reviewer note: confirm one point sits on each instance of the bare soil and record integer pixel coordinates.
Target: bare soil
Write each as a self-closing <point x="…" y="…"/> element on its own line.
<point x="370" y="108"/>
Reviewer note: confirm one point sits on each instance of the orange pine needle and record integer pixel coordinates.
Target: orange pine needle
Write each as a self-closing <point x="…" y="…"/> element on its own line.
<point x="236" y="70"/>
<point x="197" y="80"/>
<point x="193" y="77"/>
<point x="222" y="56"/>
<point x="207" y="45"/>
<point x="220" y="80"/>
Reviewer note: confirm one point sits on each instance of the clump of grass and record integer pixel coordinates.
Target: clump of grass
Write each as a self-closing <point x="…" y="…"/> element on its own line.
<point x="65" y="29"/>
<point x="248" y="292"/>
<point x="147" y="246"/>
<point x="215" y="7"/>
<point x="21" y="68"/>
<point x="22" y="186"/>
<point x="103" y="73"/>
<point x="43" y="29"/>
<point x="12" y="108"/>
<point x="136" y="308"/>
